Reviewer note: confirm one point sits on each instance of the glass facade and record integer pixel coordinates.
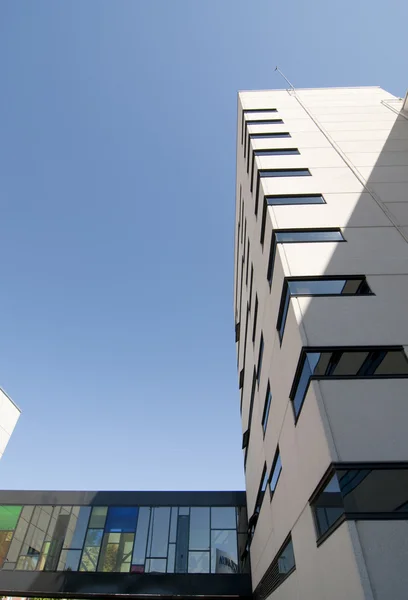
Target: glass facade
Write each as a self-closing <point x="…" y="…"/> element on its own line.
<point x="121" y="539"/>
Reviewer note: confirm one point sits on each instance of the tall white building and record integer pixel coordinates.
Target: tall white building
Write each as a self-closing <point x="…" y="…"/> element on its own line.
<point x="321" y="313"/>
<point x="9" y="415"/>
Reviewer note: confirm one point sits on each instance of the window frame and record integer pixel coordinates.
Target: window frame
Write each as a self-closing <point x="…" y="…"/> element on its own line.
<point x="275" y="242"/>
<point x="266" y="408"/>
<point x="276" y="458"/>
<point x="339" y="350"/>
<point x="269" y="152"/>
<point x="253" y="110"/>
<point x="261" y="175"/>
<point x="284" y="306"/>
<point x="247" y="133"/>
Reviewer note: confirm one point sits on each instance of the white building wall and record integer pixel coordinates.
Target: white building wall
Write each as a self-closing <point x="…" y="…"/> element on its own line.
<point x="9" y="415"/>
<point x="355" y="144"/>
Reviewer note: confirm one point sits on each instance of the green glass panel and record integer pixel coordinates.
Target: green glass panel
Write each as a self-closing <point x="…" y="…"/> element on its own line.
<point x="9" y="517"/>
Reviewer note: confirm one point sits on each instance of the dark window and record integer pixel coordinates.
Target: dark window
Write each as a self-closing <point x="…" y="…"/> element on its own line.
<point x="237" y="331"/>
<point x="296" y="236"/>
<point x="270" y="152"/>
<point x="245" y="439"/>
<point x="319" y="286"/>
<point x="260" y="357"/>
<point x="244" y="357"/>
<point x="275" y="471"/>
<point x="261" y="491"/>
<point x="267" y="407"/>
<point x="255" y="318"/>
<point x="251" y="281"/>
<point x="266" y="173"/>
<point x="253" y="110"/>
<point x="345" y="363"/>
<point x="251" y="408"/>
<point x="257" y="122"/>
<point x="297" y="199"/>
<point x="247" y="265"/>
<point x="281" y="567"/>
<point x="361" y="492"/>
<point x="241" y="378"/>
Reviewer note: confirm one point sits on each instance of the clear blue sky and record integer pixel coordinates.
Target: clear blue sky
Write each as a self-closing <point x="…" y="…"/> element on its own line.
<point x="117" y="191"/>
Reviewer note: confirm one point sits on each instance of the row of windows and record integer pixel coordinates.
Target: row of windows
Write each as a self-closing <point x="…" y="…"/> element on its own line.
<point x="281" y="567"/>
<point x="120" y="538"/>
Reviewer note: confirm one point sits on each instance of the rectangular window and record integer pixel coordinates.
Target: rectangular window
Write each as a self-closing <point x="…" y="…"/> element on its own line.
<point x="275" y="471"/>
<point x="281" y="567"/>
<point x="345" y="363"/>
<point x="296" y="199"/>
<point x="260" y="357"/>
<point x="251" y="408"/>
<point x="248" y="111"/>
<point x="262" y="488"/>
<point x="266" y="173"/>
<point x="270" y="152"/>
<point x="247" y="265"/>
<point x="251" y="281"/>
<point x="297" y="236"/>
<point x="353" y="285"/>
<point x="247" y="135"/>
<point x="255" y="318"/>
<point x="365" y="491"/>
<point x="267" y="407"/>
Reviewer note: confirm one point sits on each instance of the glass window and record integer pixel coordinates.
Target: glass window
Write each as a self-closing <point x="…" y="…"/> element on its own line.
<point x="79" y="524"/>
<point x="276" y="471"/>
<point x="267" y="136"/>
<point x="286" y="560"/>
<point x="5" y="541"/>
<point x="8" y="517"/>
<point x="89" y="558"/>
<point x="304" y="379"/>
<point x="139" y="552"/>
<point x="116" y="552"/>
<point x="276" y="152"/>
<point x="173" y="524"/>
<point x="160" y="531"/>
<point x="27" y="563"/>
<point x="94" y="537"/>
<point x="184" y="510"/>
<point x="329" y="506"/>
<point x="284" y="173"/>
<point x="199" y="528"/>
<point x="98" y="517"/>
<point x="298" y="199"/>
<point x="198" y="562"/>
<point x="69" y="560"/>
<point x="33" y="541"/>
<point x="305" y="236"/>
<point x="171" y="558"/>
<point x="122" y="518"/>
<point x="260" y="357"/>
<point x="156" y="565"/>
<point x="255" y="318"/>
<point x="261" y="490"/>
<point x="223" y="543"/>
<point x="267" y="407"/>
<point x="264" y="122"/>
<point x="223" y="517"/>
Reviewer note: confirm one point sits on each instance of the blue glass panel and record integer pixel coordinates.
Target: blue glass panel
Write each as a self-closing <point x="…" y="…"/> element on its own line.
<point x="275" y="474"/>
<point x="283" y="200"/>
<point x="317" y="235"/>
<point x="122" y="518"/>
<point x="318" y="286"/>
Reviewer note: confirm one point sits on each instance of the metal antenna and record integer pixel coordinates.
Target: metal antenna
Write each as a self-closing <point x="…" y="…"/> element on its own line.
<point x="284" y="77"/>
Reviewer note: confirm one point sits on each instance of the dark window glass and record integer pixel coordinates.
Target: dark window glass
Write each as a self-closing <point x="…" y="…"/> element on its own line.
<point x="121" y="519"/>
<point x="270" y="152"/>
<point x="311" y="235"/>
<point x="298" y="199"/>
<point x="247" y="265"/>
<point x="267" y="407"/>
<point x="223" y="542"/>
<point x="276" y="471"/>
<point x="199" y="528"/>
<point x="255" y="318"/>
<point x="245" y="439"/>
<point x="260" y="357"/>
<point x="299" y="236"/>
<point x="265" y="173"/>
<point x="329" y="506"/>
<point x="347" y="363"/>
<point x="253" y="110"/>
<point x="257" y="122"/>
<point x="223" y="517"/>
<point x="281" y="567"/>
<point x="159" y="532"/>
<point x="251" y="281"/>
<point x="262" y="488"/>
<point x="318" y="287"/>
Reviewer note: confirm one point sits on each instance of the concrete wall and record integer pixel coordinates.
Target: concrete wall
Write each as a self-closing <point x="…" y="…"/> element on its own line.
<point x="354" y="141"/>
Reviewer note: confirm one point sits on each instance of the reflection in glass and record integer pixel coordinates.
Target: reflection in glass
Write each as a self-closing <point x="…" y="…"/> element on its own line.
<point x="139" y="552"/>
<point x="316" y="235"/>
<point x="301" y="199"/>
<point x="199" y="528"/>
<point x="198" y="562"/>
<point x="156" y="565"/>
<point x="92" y="546"/>
<point x="173" y="525"/>
<point x="5" y="540"/>
<point x="27" y="563"/>
<point x="286" y="560"/>
<point x="171" y="558"/>
<point x="98" y="517"/>
<point x="69" y="560"/>
<point x="8" y="517"/>
<point x="226" y="542"/>
<point x="276" y="471"/>
<point x="116" y="552"/>
<point x="79" y="525"/>
<point x="160" y="531"/>
<point x="223" y="517"/>
<point x="328" y="507"/>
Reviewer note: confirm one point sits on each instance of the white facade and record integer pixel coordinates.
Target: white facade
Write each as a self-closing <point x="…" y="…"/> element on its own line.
<point x="9" y="415"/>
<point x="354" y="143"/>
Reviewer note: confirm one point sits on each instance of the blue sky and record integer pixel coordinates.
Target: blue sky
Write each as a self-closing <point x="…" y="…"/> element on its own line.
<point x="117" y="191"/>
